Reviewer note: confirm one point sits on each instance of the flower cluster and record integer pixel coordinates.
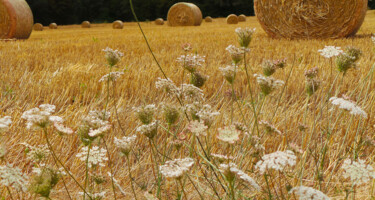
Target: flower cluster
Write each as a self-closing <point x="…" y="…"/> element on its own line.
<point x="176" y="168"/>
<point x="112" y="56"/>
<point x="348" y="105"/>
<point x="36" y="153"/>
<point x="5" y="123"/>
<point x="96" y="156"/>
<point x="149" y="130"/>
<point x="94" y="126"/>
<point x="112" y="76"/>
<point x="277" y="161"/>
<point x="231" y="170"/>
<point x="145" y="113"/>
<point x="125" y="144"/>
<point x="167" y="85"/>
<point x="229" y="72"/>
<point x="191" y="62"/>
<point x="171" y="113"/>
<point x="41" y="117"/>
<point x="11" y="176"/>
<point x="245" y="36"/>
<point x="197" y="128"/>
<point x="269" y="67"/>
<point x="358" y="172"/>
<point x="191" y="93"/>
<point x="308" y="193"/>
<point x="348" y="59"/>
<point x="207" y="115"/>
<point x="312" y="83"/>
<point x="269" y="127"/>
<point x="330" y="51"/>
<point x="268" y="84"/>
<point x="229" y="134"/>
<point x="235" y="53"/>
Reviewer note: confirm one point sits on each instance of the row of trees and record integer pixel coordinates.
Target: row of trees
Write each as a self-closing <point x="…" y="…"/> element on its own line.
<point x="76" y="11"/>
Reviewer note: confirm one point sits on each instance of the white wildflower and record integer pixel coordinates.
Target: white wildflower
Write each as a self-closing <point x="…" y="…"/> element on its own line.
<point x="269" y="127"/>
<point x="167" y="85"/>
<point x="145" y="113"/>
<point x="245" y="36"/>
<point x="330" y="51"/>
<point x="231" y="170"/>
<point x="112" y="56"/>
<point x="99" y="131"/>
<point x="149" y="130"/>
<point x="62" y="129"/>
<point x="36" y="153"/>
<point x="97" y="156"/>
<point x="125" y="144"/>
<point x="207" y="115"/>
<point x="192" y="93"/>
<point x="221" y="158"/>
<point x="176" y="168"/>
<point x="277" y="161"/>
<point x="5" y="123"/>
<point x="113" y="76"/>
<point x="11" y="176"/>
<point x="197" y="128"/>
<point x="229" y="134"/>
<point x="348" y="105"/>
<point x="94" y="196"/>
<point x="235" y="53"/>
<point x="268" y="84"/>
<point x="358" y="172"/>
<point x="229" y="72"/>
<point x="40" y="117"/>
<point x="308" y="193"/>
<point x="191" y="62"/>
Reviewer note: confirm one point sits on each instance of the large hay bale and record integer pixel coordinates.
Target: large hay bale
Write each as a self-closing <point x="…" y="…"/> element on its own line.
<point x="86" y="24"/>
<point x="242" y="18"/>
<point x="52" y="26"/>
<point x="38" y="27"/>
<point x="118" y="24"/>
<point x="159" y="21"/>
<point x="208" y="19"/>
<point x="16" y="19"/>
<point x="310" y="18"/>
<point x="184" y="14"/>
<point x="232" y="19"/>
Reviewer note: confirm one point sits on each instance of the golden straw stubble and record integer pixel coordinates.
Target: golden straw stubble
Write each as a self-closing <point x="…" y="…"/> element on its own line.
<point x="118" y="24"/>
<point x="184" y="14"/>
<point x="38" y="27"/>
<point x="16" y="19"/>
<point x="232" y="19"/>
<point x="53" y="26"/>
<point x="308" y="19"/>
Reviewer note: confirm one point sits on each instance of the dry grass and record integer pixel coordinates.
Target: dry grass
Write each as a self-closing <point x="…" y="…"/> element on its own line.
<point x="51" y="68"/>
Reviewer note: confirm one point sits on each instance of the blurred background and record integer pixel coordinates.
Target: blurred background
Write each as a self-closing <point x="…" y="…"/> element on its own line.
<point x="100" y="11"/>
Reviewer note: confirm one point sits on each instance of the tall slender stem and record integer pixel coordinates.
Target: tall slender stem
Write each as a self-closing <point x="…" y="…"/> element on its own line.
<point x="110" y="167"/>
<point x="87" y="169"/>
<point x="130" y="176"/>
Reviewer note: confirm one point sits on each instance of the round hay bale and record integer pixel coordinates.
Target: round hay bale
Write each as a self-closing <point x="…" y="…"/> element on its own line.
<point x="159" y="21"/>
<point x="16" y="19"/>
<point x="208" y="19"/>
<point x="52" y="26"/>
<point x="306" y="19"/>
<point x="38" y="27"/>
<point x="242" y="18"/>
<point x="86" y="24"/>
<point x="232" y="19"/>
<point x="184" y="14"/>
<point x="118" y="24"/>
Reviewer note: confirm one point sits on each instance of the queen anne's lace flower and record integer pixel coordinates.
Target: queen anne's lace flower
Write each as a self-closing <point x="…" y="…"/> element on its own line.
<point x="235" y="53"/>
<point x="167" y="85"/>
<point x="112" y="56"/>
<point x="348" y="105"/>
<point x="330" y="51"/>
<point x="149" y="130"/>
<point x="229" y="72"/>
<point x="245" y="36"/>
<point x="231" y="170"/>
<point x="36" y="153"/>
<point x="176" y="168"/>
<point x="308" y="193"/>
<point x="12" y="177"/>
<point x="269" y="127"/>
<point x="95" y="196"/>
<point x="207" y="115"/>
<point x="125" y="144"/>
<point x="145" y="113"/>
<point x="41" y="117"/>
<point x="268" y="84"/>
<point x="192" y="93"/>
<point x="97" y="156"/>
<point x="191" y="62"/>
<point x="113" y="76"/>
<point x="99" y="131"/>
<point x="197" y="128"/>
<point x="358" y="172"/>
<point x="277" y="161"/>
<point x="5" y="123"/>
<point x="229" y="134"/>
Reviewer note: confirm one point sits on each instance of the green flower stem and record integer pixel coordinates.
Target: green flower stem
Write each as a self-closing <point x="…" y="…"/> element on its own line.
<point x="87" y="169"/>
<point x="111" y="170"/>
<point x="130" y="176"/>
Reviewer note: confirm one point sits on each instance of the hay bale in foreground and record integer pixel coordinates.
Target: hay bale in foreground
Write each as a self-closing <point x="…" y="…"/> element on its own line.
<point x="299" y="19"/>
<point x="86" y="24"/>
<point x="208" y="19"/>
<point x="38" y="27"/>
<point x="242" y="18"/>
<point x="184" y="14"/>
<point x="52" y="26"/>
<point x="118" y="24"/>
<point x="16" y="19"/>
<point x="159" y="21"/>
<point x="232" y="19"/>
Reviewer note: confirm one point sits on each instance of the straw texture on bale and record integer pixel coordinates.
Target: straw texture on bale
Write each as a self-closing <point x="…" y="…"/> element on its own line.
<point x="242" y="18"/>
<point x="16" y="19"/>
<point x="53" y="26"/>
<point x="38" y="27"/>
<point x="159" y="21"/>
<point x="232" y="19"/>
<point x="305" y="19"/>
<point x="208" y="19"/>
<point x="118" y="24"/>
<point x="184" y="14"/>
<point x="86" y="24"/>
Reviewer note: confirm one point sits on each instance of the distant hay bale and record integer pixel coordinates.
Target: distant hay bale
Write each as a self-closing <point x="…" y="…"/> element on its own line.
<point x="184" y="14"/>
<point x="16" y="19"/>
<point x="232" y="19"/>
<point x="86" y="24"/>
<point x="208" y="19"/>
<point x="159" y="21"/>
<point x="38" y="27"/>
<point x="242" y="18"/>
<point x="306" y="19"/>
<point x="52" y="26"/>
<point x="118" y="24"/>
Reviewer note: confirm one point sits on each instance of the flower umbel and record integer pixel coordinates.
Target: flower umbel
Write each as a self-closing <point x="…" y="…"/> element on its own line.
<point x="176" y="168"/>
<point x="229" y="73"/>
<point x="229" y="134"/>
<point x="235" y="53"/>
<point x="191" y="62"/>
<point x="5" y="123"/>
<point x="330" y="51"/>
<point x="349" y="106"/>
<point x="245" y="35"/>
<point x="358" y="172"/>
<point x="125" y="144"/>
<point x="277" y="161"/>
<point x="96" y="157"/>
<point x="11" y="176"/>
<point x="268" y="84"/>
<point x="112" y="56"/>
<point x="198" y="128"/>
<point x="308" y="193"/>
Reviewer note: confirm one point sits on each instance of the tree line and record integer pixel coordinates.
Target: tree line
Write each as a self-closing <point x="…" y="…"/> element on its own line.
<point x="76" y="11"/>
